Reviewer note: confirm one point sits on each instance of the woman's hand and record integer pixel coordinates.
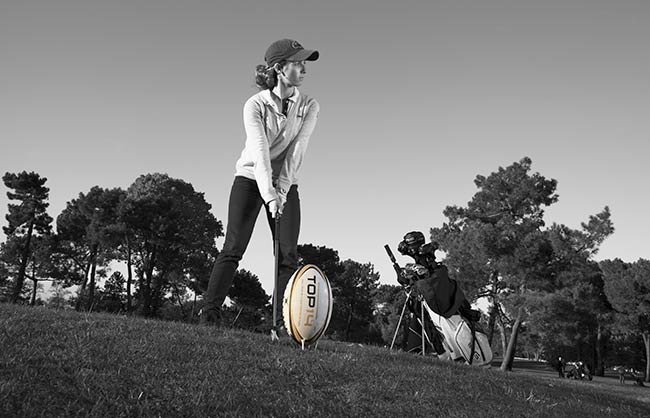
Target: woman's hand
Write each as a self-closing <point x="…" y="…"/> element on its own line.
<point x="275" y="208"/>
<point x="282" y="198"/>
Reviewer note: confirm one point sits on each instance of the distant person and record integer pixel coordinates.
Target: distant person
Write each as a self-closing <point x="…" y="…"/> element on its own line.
<point x="560" y="366"/>
<point x="620" y="370"/>
<point x="278" y="121"/>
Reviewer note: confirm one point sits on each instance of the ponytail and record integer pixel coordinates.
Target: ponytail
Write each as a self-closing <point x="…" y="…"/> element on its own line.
<point x="266" y="77"/>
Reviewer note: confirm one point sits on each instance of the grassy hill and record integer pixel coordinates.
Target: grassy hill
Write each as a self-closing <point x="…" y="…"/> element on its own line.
<point x="69" y="364"/>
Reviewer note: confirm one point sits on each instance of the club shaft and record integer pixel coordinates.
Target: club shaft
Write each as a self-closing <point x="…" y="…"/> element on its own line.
<point x="276" y="268"/>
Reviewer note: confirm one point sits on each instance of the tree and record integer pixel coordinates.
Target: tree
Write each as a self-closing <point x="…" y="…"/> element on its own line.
<point x="4" y="273"/>
<point x="499" y="245"/>
<point x="572" y="321"/>
<point x="59" y="298"/>
<point x="10" y="251"/>
<point x="502" y="225"/>
<point x="580" y="286"/>
<point x="86" y="230"/>
<point x="627" y="286"/>
<point x="101" y="207"/>
<point x="37" y="269"/>
<point x="352" y="291"/>
<point x="25" y="219"/>
<point x="250" y="301"/>
<point x="327" y="259"/>
<point x="171" y="227"/>
<point x="388" y="303"/>
<point x="112" y="297"/>
<point x="39" y="266"/>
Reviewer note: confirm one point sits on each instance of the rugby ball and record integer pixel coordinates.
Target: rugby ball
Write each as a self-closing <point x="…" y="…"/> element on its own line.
<point x="307" y="305"/>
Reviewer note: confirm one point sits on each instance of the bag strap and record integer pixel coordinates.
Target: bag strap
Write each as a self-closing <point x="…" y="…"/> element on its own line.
<point x="471" y="355"/>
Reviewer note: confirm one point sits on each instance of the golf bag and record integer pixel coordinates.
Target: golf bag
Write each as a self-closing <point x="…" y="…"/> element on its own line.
<point x="454" y="338"/>
<point x="441" y="319"/>
<point x="462" y="341"/>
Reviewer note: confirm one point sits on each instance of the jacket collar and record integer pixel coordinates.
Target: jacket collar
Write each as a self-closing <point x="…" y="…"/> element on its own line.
<point x="267" y="96"/>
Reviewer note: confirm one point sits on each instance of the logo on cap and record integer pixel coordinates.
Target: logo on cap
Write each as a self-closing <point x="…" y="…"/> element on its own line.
<point x="296" y="45"/>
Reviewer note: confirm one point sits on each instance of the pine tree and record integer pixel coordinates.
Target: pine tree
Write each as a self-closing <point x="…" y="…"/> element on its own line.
<point x="25" y="219"/>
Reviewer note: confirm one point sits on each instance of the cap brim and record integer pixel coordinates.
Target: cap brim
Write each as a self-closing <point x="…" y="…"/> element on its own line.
<point x="304" y="55"/>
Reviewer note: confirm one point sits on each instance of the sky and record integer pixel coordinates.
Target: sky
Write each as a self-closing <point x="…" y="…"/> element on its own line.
<point x="417" y="98"/>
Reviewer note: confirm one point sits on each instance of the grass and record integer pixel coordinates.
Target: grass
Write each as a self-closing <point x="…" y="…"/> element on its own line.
<point x="68" y="364"/>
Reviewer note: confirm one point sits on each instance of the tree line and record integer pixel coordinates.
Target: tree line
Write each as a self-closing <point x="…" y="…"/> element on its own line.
<point x="546" y="293"/>
<point x="160" y="227"/>
<point x="161" y="231"/>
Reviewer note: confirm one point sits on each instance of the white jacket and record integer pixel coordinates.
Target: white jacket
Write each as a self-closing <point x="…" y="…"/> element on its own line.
<point x="276" y="144"/>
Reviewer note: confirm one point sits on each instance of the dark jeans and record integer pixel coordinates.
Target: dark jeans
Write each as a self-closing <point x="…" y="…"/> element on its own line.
<point x="243" y="208"/>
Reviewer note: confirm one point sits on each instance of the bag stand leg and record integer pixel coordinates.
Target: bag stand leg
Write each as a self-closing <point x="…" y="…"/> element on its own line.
<point x="408" y="295"/>
<point x="423" y="331"/>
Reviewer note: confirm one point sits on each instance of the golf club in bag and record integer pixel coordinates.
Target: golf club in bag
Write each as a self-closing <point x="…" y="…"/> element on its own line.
<point x="450" y="335"/>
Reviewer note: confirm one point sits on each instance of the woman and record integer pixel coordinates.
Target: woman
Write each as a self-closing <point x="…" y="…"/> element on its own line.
<point x="279" y="121"/>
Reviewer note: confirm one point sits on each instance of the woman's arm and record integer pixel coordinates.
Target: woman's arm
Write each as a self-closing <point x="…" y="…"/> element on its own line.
<point x="257" y="146"/>
<point x="296" y="151"/>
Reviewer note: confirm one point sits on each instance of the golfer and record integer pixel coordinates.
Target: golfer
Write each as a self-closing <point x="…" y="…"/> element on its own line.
<point x="560" y="367"/>
<point x="279" y="121"/>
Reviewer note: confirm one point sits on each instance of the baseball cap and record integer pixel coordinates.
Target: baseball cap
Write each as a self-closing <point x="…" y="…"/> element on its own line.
<point x="290" y="50"/>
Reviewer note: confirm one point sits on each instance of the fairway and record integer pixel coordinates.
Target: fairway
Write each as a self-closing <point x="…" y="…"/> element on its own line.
<point x="607" y="384"/>
<point x="65" y="363"/>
